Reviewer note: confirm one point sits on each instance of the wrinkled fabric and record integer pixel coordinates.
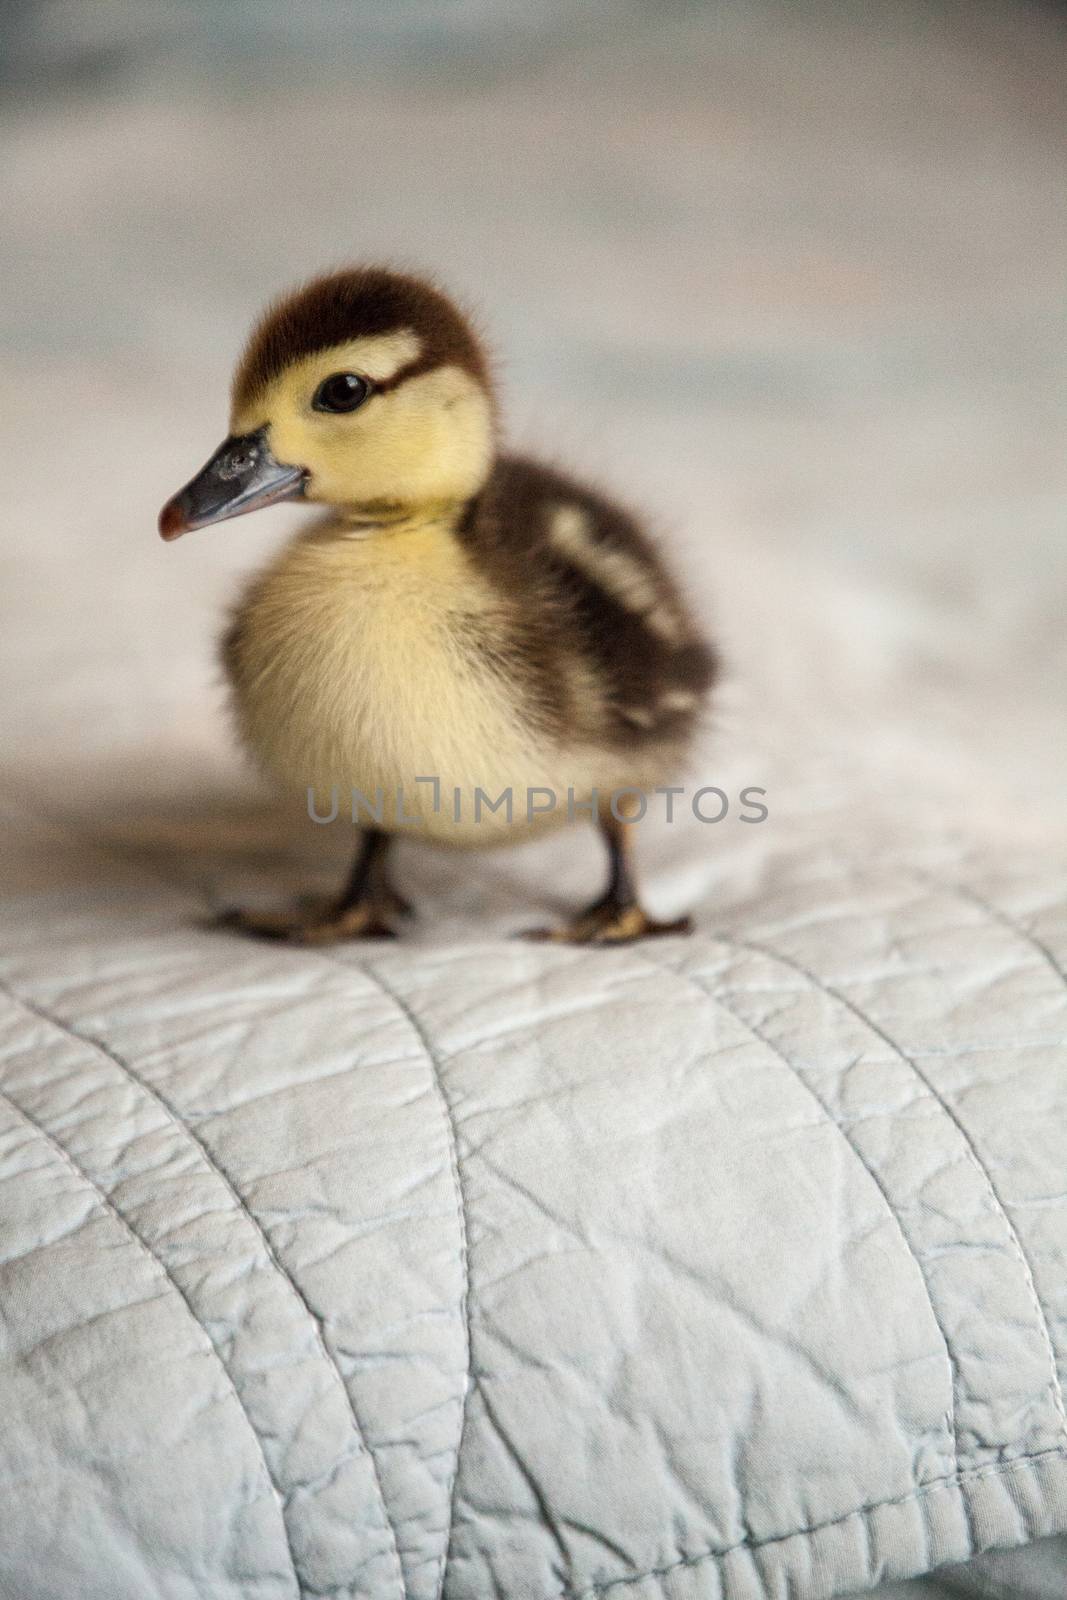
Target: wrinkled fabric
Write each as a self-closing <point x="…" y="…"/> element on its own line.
<point x="386" y="1270"/>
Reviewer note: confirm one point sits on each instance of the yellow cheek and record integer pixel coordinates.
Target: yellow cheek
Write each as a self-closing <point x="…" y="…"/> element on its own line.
<point x="300" y="442"/>
<point x="434" y="434"/>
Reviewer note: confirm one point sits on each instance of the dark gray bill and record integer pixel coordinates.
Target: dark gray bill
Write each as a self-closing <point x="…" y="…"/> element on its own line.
<point x="241" y="476"/>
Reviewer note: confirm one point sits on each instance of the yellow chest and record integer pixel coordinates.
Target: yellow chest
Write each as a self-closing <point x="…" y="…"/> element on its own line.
<point x="355" y="666"/>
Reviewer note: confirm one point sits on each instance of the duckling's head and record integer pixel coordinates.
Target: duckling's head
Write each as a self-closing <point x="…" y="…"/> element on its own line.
<point x="365" y="390"/>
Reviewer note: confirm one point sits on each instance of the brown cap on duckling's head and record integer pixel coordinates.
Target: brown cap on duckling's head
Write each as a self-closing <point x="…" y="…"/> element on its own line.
<point x="359" y="303"/>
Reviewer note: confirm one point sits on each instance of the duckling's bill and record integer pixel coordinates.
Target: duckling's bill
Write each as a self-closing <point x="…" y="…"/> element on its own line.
<point x="243" y="475"/>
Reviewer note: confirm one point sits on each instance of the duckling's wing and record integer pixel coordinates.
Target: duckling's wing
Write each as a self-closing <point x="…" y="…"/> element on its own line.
<point x="600" y="635"/>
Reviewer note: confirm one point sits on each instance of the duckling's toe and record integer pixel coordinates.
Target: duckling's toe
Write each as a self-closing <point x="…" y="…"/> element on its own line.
<point x="330" y="925"/>
<point x="608" y="922"/>
<point x="633" y="923"/>
<point x="363" y="921"/>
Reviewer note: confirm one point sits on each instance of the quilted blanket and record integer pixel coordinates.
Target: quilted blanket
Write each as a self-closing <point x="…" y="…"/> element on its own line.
<point x="728" y="1268"/>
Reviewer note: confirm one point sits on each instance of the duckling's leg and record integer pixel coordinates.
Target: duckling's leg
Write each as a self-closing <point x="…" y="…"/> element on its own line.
<point x="618" y="916"/>
<point x="361" y="911"/>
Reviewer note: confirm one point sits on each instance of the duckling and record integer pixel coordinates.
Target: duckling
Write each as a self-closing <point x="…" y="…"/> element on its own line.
<point x="461" y="624"/>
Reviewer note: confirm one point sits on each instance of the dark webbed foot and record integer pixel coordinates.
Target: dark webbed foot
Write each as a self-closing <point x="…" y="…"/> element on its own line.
<point x="617" y="917"/>
<point x="364" y="909"/>
<point x="610" y="924"/>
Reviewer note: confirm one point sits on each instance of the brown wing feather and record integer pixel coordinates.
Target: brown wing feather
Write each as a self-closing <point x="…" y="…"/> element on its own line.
<point x="594" y="616"/>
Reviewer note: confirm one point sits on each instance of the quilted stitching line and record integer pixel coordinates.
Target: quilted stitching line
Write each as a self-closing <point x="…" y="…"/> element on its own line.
<point x="757" y="1033"/>
<point x="190" y="1133"/>
<point x="935" y="1486"/>
<point x="1015" y="1243"/>
<point x="142" y="1244"/>
<point x="997" y="914"/>
<point x="438" y="1075"/>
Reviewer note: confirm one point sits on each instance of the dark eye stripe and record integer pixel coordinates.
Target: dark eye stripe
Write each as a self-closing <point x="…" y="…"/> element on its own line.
<point x="341" y="392"/>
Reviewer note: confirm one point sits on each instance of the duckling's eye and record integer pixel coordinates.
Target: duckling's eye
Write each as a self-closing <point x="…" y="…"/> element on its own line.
<point x="342" y="391"/>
